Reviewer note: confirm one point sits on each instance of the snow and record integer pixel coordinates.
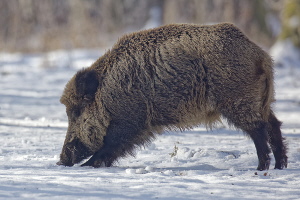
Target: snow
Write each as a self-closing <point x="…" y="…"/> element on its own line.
<point x="195" y="164"/>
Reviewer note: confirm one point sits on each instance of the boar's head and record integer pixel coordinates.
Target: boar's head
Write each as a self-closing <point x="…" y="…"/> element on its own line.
<point x="85" y="131"/>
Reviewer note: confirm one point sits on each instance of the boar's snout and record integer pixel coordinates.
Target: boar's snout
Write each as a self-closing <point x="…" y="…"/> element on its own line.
<point x="65" y="164"/>
<point x="73" y="152"/>
<point x="66" y="156"/>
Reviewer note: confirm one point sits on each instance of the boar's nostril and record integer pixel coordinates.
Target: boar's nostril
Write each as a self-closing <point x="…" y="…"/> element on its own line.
<point x="59" y="163"/>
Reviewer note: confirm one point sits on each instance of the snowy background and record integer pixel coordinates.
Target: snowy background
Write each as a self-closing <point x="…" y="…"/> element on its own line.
<point x="196" y="164"/>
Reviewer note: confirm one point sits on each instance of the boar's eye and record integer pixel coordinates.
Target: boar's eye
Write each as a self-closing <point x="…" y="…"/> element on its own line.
<point x="88" y="98"/>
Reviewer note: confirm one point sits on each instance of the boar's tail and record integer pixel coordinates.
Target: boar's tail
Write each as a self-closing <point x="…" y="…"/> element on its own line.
<point x="268" y="89"/>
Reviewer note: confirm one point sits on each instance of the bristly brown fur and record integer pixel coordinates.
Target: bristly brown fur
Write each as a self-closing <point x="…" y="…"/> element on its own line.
<point x="172" y="77"/>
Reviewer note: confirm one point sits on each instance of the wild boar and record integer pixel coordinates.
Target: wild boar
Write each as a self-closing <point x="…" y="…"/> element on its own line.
<point x="172" y="77"/>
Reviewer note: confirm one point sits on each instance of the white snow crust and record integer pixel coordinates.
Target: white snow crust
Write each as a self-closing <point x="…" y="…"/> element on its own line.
<point x="195" y="164"/>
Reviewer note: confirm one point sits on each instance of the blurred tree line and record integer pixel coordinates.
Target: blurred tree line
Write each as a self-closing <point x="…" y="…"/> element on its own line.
<point x="291" y="22"/>
<point x="35" y="25"/>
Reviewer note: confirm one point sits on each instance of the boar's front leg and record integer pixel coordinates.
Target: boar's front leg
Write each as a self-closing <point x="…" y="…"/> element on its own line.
<point x="119" y="141"/>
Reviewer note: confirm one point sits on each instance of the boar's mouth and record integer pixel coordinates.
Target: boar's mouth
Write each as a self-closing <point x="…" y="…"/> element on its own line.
<point x="73" y="153"/>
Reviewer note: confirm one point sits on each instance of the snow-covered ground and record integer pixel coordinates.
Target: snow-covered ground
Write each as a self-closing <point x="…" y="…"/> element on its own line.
<point x="196" y="164"/>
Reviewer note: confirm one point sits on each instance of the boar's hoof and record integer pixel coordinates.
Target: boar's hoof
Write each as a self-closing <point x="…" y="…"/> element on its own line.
<point x="282" y="164"/>
<point x="264" y="165"/>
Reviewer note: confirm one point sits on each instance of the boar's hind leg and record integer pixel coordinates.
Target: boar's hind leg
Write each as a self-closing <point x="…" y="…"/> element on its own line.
<point x="119" y="141"/>
<point x="257" y="130"/>
<point x="259" y="136"/>
<point x="277" y="142"/>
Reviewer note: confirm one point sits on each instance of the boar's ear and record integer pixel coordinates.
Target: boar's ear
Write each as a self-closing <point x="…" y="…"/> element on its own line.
<point x="86" y="84"/>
